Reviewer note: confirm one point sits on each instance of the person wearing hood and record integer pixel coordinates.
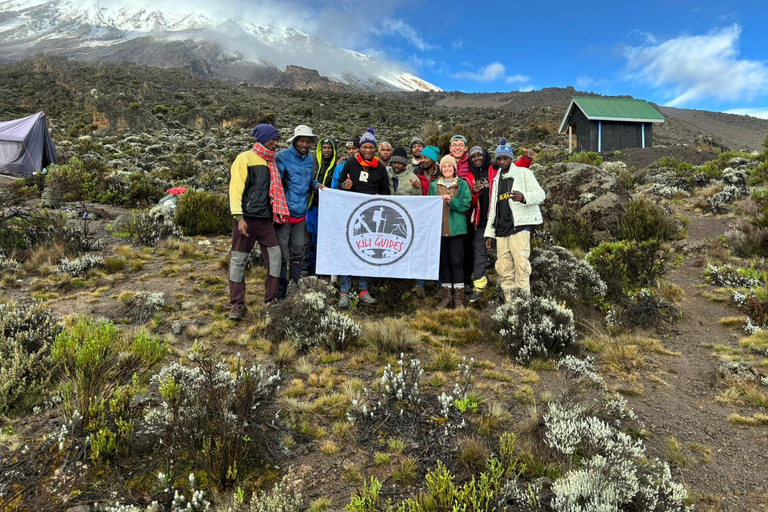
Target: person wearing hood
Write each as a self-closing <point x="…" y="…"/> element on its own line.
<point x="322" y="176"/>
<point x="295" y="165"/>
<point x="401" y="181"/>
<point x="512" y="214"/>
<point x="457" y="198"/>
<point x="428" y="171"/>
<point x="417" y="145"/>
<point x="364" y="174"/>
<point x="256" y="199"/>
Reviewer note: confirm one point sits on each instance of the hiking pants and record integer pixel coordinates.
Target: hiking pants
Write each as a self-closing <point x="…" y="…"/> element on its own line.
<point x="512" y="263"/>
<point x="452" y="261"/>
<point x="292" y="239"/>
<point x="263" y="232"/>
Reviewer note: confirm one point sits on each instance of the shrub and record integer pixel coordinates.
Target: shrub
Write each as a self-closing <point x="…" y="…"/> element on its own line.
<point x="284" y="497"/>
<point x="570" y="230"/>
<point x="72" y="181"/>
<point x="135" y="190"/>
<point x="147" y="230"/>
<point x="203" y="213"/>
<point x="306" y="318"/>
<point x="747" y="240"/>
<point x="643" y="309"/>
<point x="626" y="265"/>
<point x="97" y="360"/>
<point x="609" y="469"/>
<point x="215" y="419"/>
<point x="587" y="157"/>
<point x="8" y="265"/>
<point x="79" y="266"/>
<point x="26" y="335"/>
<point x="643" y="220"/>
<point x="390" y="336"/>
<point x="559" y="275"/>
<point x="726" y="275"/>
<point x="534" y="327"/>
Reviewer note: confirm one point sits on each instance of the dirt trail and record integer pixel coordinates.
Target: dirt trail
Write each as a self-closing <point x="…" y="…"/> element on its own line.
<point x="686" y="407"/>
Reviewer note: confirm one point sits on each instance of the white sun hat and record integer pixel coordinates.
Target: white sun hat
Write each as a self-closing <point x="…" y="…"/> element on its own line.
<point x="303" y="131"/>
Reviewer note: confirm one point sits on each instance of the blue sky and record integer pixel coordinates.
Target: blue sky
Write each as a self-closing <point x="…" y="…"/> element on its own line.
<point x="704" y="55"/>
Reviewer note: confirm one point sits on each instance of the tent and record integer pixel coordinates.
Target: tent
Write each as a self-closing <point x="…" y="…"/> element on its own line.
<point x="25" y="145"/>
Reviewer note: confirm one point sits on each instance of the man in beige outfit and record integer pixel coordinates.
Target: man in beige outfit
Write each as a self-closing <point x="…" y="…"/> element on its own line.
<point x="512" y="214"/>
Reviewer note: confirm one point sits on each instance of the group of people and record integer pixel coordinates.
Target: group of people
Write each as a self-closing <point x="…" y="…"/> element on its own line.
<point x="274" y="201"/>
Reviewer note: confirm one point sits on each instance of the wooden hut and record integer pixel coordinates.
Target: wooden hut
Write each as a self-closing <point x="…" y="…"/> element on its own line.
<point x="609" y="124"/>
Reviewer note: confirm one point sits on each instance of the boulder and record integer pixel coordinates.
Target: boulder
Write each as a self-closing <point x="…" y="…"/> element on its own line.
<point x="594" y="193"/>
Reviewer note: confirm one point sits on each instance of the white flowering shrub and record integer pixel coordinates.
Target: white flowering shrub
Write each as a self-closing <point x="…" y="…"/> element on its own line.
<point x="283" y="497"/>
<point x="147" y="304"/>
<point x="719" y="202"/>
<point x="609" y="470"/>
<point x="26" y="335"/>
<point x="726" y="275"/>
<point x="195" y="503"/>
<point x="307" y="318"/>
<point x="79" y="266"/>
<point x="668" y="191"/>
<point x="8" y="265"/>
<point x="615" y="167"/>
<point x="148" y="230"/>
<point x="534" y="327"/>
<point x="400" y="408"/>
<point x="558" y="274"/>
<point x="222" y="421"/>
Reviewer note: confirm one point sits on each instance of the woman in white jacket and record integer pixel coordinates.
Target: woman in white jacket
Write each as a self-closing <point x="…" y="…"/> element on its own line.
<point x="512" y="214"/>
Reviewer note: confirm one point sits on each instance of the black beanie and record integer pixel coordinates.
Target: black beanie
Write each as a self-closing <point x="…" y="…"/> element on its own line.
<point x="399" y="155"/>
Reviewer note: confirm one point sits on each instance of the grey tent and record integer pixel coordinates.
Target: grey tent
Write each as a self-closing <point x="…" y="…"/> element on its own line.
<point x="25" y="145"/>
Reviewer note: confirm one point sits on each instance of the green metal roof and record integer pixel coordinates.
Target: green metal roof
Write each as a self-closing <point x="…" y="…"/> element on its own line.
<point x="613" y="109"/>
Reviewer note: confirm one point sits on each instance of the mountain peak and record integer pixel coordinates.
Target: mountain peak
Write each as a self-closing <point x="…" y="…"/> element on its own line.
<point x="144" y="34"/>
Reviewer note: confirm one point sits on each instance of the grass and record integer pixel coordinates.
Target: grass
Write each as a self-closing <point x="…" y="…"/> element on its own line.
<point x="744" y="394"/>
<point x="756" y="420"/>
<point x="673" y="452"/>
<point x="320" y="505"/>
<point x="625" y="353"/>
<point x="380" y="458"/>
<point x="329" y="447"/>
<point x="733" y="321"/>
<point x="756" y="343"/>
<point x="407" y="471"/>
<point x="445" y="358"/>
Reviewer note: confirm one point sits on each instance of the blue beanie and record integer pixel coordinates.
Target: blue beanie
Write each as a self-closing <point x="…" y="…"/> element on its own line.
<point x="432" y="153"/>
<point x="504" y="149"/>
<point x="265" y="133"/>
<point x="368" y="137"/>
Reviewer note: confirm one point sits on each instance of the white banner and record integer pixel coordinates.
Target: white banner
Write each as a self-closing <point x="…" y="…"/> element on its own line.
<point x="379" y="236"/>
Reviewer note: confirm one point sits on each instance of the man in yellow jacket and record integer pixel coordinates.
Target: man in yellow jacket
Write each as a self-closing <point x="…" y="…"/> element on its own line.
<point x="256" y="197"/>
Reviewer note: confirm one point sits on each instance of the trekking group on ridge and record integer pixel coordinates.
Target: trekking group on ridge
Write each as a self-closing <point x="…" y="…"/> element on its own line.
<point x="487" y="201"/>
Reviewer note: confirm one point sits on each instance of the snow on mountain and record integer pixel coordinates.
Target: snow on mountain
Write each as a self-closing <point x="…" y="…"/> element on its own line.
<point x="142" y="34"/>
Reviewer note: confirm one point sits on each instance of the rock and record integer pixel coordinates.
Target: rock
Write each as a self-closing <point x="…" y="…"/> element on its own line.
<point x="592" y="192"/>
<point x="736" y="371"/>
<point x="79" y="508"/>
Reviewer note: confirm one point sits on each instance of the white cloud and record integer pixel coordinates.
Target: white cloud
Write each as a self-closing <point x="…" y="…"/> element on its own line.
<point x="489" y="73"/>
<point x="517" y="79"/>
<point x="754" y="112"/>
<point x="457" y="44"/>
<point x="691" y="68"/>
<point x="391" y="26"/>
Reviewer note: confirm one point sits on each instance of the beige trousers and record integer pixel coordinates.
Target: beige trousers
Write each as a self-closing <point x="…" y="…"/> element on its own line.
<point x="512" y="263"/>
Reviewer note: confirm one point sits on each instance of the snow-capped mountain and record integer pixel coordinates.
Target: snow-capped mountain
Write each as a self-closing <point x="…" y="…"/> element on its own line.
<point x="204" y="44"/>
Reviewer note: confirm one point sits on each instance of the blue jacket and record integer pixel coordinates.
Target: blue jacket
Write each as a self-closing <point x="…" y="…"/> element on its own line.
<point x="296" y="173"/>
<point x="337" y="174"/>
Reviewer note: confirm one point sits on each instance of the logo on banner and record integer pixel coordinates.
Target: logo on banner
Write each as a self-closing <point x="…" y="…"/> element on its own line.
<point x="380" y="232"/>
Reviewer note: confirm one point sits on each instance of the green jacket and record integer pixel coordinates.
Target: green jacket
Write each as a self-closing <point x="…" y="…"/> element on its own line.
<point x="454" y="213"/>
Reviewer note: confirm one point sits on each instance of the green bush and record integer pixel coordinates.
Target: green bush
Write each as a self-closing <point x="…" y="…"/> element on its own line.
<point x="643" y="220"/>
<point x="97" y="360"/>
<point x="26" y="335"/>
<point x="73" y="182"/>
<point x="202" y="213"/>
<point x="137" y="189"/>
<point x="680" y="167"/>
<point x="570" y="230"/>
<point x="627" y="264"/>
<point x="587" y="157"/>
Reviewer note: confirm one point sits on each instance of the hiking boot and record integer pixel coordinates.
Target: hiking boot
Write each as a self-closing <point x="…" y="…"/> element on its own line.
<point x="367" y="299"/>
<point x="445" y="301"/>
<point x="344" y="301"/>
<point x="458" y="298"/>
<point x="238" y="312"/>
<point x="476" y="297"/>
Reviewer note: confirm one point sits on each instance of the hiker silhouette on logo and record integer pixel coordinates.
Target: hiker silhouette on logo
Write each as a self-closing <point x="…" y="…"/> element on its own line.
<point x="379" y="219"/>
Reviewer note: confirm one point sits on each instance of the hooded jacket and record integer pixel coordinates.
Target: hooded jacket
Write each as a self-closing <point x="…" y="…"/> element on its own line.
<point x="322" y="170"/>
<point x="453" y="218"/>
<point x="296" y="173"/>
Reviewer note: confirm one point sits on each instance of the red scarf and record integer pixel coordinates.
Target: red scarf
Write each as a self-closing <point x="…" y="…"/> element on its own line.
<point x="365" y="163"/>
<point x="279" y="204"/>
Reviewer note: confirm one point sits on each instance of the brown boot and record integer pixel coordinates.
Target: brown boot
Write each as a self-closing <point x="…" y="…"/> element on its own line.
<point x="458" y="297"/>
<point x="445" y="301"/>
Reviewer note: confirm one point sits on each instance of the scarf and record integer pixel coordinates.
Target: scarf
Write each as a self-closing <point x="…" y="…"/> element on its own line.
<point x="276" y="193"/>
<point x="373" y="163"/>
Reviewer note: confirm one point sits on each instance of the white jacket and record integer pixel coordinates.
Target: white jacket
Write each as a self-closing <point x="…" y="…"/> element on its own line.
<point x="524" y="214"/>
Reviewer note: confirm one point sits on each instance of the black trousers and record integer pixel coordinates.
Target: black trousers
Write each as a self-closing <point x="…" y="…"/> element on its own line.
<point x="452" y="260"/>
